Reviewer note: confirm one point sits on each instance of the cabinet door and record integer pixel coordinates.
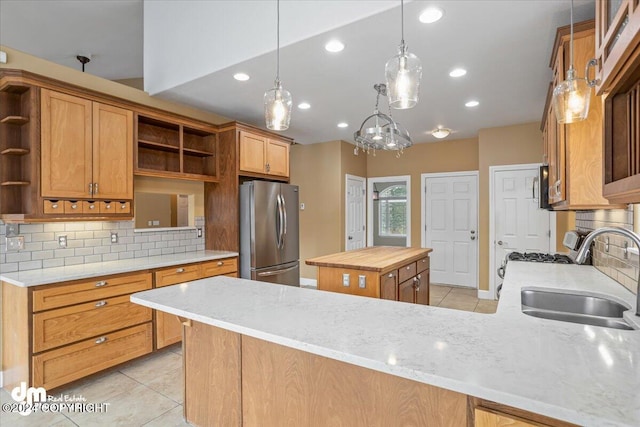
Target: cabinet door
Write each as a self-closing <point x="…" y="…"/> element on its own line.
<point x="485" y="418"/>
<point x="389" y="286"/>
<point x="406" y="291"/>
<point x="252" y="153"/>
<point x="422" y="288"/>
<point x="112" y="152"/>
<point x="277" y="158"/>
<point x="556" y="140"/>
<point x="66" y="166"/>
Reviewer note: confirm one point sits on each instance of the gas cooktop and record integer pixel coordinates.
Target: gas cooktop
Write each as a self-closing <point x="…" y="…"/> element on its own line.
<point x="540" y="257"/>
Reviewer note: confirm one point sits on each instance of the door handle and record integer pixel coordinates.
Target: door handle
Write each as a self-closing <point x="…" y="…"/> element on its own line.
<point x="284" y="216"/>
<point x="276" y="272"/>
<point x="500" y="242"/>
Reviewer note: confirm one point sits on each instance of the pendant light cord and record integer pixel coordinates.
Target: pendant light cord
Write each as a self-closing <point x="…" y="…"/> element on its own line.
<point x="402" y="20"/>
<point x="571" y="41"/>
<point x="278" y="44"/>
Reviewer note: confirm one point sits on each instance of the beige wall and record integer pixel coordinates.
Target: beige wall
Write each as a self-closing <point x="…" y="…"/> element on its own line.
<point x="444" y="156"/>
<point x="509" y="145"/>
<point x="23" y="61"/>
<point x="316" y="170"/>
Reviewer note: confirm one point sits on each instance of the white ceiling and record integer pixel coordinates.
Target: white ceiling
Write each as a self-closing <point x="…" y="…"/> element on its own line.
<point x="192" y="49"/>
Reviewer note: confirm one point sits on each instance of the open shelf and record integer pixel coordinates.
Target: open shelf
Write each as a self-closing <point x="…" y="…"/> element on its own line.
<point x="15" y="151"/>
<point x="158" y="146"/>
<point x="15" y="120"/>
<point x="197" y="153"/>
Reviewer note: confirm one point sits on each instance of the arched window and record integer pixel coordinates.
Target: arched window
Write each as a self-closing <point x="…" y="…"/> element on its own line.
<point x="393" y="211"/>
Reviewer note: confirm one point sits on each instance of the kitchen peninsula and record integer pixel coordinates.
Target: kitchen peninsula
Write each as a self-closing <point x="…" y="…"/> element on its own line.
<point x="264" y="354"/>
<point x="387" y="272"/>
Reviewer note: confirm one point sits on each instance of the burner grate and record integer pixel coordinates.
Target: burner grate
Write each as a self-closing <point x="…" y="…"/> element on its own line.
<point x="540" y="257"/>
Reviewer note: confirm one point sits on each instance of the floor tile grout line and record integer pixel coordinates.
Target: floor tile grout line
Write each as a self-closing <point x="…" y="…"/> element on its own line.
<point x="161" y="415"/>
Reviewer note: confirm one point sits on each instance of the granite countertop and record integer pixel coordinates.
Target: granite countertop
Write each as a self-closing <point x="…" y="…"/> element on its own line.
<point x="586" y="375"/>
<point x="374" y="258"/>
<point x="45" y="276"/>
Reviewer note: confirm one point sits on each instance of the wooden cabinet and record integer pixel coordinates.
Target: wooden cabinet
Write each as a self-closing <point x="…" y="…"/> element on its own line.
<point x="486" y="413"/>
<point x="170" y="147"/>
<point x="393" y="273"/>
<point x="87" y="148"/>
<point x="55" y="334"/>
<point x="575" y="151"/>
<point x="168" y="327"/>
<point x="263" y="155"/>
<point x="618" y="53"/>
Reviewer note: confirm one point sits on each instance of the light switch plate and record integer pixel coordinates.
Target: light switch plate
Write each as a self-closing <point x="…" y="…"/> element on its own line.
<point x="362" y="281"/>
<point x="3" y="57"/>
<point x="199" y="231"/>
<point x="15" y="243"/>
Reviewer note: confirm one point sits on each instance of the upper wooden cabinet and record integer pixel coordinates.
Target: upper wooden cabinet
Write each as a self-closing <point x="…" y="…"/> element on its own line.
<point x="263" y="155"/>
<point x="618" y="53"/>
<point x="87" y="148"/>
<point x="170" y="147"/>
<point x="574" y="151"/>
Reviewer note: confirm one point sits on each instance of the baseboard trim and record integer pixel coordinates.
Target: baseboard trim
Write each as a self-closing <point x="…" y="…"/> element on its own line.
<point x="485" y="294"/>
<point x="309" y="283"/>
<point x="1" y="381"/>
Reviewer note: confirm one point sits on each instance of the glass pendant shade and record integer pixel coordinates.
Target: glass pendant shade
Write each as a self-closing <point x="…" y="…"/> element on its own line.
<point x="571" y="99"/>
<point x="277" y="108"/>
<point x="403" y="73"/>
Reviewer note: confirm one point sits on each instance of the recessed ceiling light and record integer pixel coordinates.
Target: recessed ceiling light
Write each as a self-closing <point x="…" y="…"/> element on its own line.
<point x="472" y="104"/>
<point x="431" y="15"/>
<point x="343" y="125"/>
<point x="241" y="77"/>
<point x="304" y="106"/>
<point x="334" y="46"/>
<point x="458" y="72"/>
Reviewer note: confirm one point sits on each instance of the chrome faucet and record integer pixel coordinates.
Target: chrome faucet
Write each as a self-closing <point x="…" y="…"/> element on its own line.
<point x="584" y="250"/>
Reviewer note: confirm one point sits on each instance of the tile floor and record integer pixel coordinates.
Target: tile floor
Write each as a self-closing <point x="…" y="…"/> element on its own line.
<point x="148" y="391"/>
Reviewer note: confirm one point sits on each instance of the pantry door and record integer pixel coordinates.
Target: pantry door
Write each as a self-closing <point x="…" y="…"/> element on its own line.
<point x="355" y="231"/>
<point x="450" y="226"/>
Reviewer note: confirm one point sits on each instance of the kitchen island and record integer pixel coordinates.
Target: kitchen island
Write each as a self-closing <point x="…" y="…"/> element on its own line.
<point x="387" y="272"/>
<point x="263" y="354"/>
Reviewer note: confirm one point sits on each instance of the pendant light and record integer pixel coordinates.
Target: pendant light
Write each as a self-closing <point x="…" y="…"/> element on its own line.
<point x="571" y="97"/>
<point x="380" y="132"/>
<point x="277" y="101"/>
<point x="403" y="73"/>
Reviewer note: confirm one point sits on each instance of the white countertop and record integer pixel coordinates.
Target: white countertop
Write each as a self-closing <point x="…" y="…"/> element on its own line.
<point x="582" y="374"/>
<point x="45" y="276"/>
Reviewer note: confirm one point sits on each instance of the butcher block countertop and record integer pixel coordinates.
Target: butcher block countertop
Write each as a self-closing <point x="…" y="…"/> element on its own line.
<point x="375" y="258"/>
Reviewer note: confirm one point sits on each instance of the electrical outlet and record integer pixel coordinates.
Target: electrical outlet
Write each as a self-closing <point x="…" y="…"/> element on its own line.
<point x="149" y="223"/>
<point x="15" y="243"/>
<point x="301" y="206"/>
<point x="362" y="281"/>
<point x="62" y="241"/>
<point x="156" y="222"/>
<point x="199" y="231"/>
<point x="12" y="230"/>
<point x="114" y="237"/>
<point x="345" y="279"/>
<point x="3" y="57"/>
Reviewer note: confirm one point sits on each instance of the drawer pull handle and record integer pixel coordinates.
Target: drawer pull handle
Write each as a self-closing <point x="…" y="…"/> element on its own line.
<point x="180" y="270"/>
<point x="74" y="206"/>
<point x="424" y="260"/>
<point x="220" y="263"/>
<point x="390" y="274"/>
<point x="92" y="206"/>
<point x="101" y="303"/>
<point x="408" y="267"/>
<point x="101" y="340"/>
<point x="101" y="283"/>
<point x="123" y="205"/>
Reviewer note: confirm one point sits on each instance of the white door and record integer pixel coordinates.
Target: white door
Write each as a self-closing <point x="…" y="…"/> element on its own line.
<point x="451" y="227"/>
<point x="518" y="223"/>
<point x="355" y="212"/>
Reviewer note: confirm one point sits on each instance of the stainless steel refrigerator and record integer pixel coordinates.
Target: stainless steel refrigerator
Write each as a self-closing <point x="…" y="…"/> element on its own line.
<point x="269" y="245"/>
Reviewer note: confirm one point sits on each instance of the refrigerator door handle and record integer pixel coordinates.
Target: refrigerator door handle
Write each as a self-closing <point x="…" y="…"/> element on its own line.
<point x="276" y="272"/>
<point x="280" y="221"/>
<point x="284" y="216"/>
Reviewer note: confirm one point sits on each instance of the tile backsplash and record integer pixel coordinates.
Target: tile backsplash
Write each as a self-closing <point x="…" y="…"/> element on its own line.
<point x="89" y="242"/>
<point x="613" y="263"/>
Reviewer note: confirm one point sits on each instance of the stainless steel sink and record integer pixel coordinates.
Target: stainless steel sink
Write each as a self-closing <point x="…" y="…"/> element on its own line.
<point x="575" y="308"/>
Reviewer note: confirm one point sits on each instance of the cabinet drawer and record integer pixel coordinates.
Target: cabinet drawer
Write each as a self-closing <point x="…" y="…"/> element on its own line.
<point x="108" y="208"/>
<point x="72" y="207"/>
<point x="422" y="264"/>
<point x="178" y="274"/>
<point x="123" y="207"/>
<point x="88" y="290"/>
<point x="53" y="206"/>
<point x="70" y="324"/>
<point x="90" y="207"/>
<point x="219" y="267"/>
<point x="406" y="271"/>
<point x="57" y="367"/>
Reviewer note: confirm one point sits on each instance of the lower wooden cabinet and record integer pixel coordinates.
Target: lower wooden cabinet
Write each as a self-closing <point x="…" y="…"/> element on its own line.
<point x="491" y="414"/>
<point x="168" y="327"/>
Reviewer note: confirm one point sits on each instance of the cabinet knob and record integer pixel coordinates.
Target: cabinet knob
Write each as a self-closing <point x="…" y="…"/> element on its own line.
<point x="180" y="270"/>
<point x="123" y="205"/>
<point x="391" y="275"/>
<point x="101" y="303"/>
<point x="54" y="206"/>
<point x="220" y="263"/>
<point x="408" y="267"/>
<point x="101" y="283"/>
<point x="92" y="206"/>
<point x="74" y="206"/>
<point x="101" y="340"/>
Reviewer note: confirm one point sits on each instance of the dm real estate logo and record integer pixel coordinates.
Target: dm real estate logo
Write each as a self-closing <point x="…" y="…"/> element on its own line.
<point x="28" y="397"/>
